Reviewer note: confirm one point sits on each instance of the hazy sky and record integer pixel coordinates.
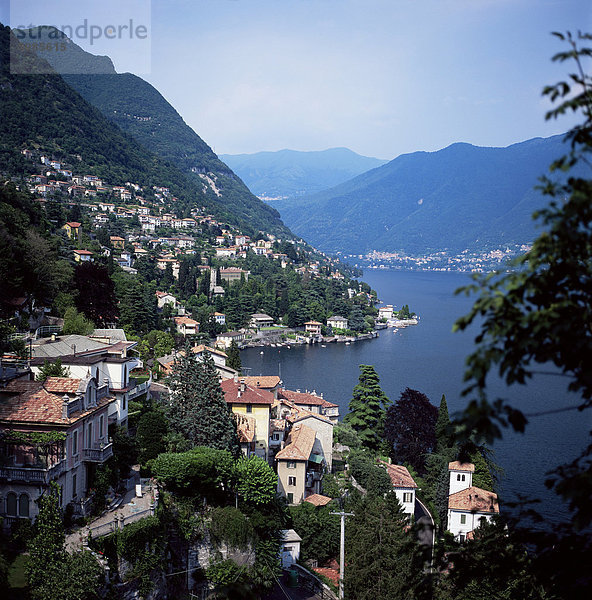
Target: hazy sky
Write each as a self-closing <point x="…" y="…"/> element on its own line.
<point x="382" y="77"/>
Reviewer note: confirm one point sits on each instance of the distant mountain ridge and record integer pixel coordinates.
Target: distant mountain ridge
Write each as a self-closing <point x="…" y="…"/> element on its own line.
<point x="460" y="197"/>
<point x="290" y="173"/>
<point x="139" y="109"/>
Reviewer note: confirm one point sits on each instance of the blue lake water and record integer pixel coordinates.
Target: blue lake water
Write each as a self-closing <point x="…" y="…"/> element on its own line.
<point x="430" y="358"/>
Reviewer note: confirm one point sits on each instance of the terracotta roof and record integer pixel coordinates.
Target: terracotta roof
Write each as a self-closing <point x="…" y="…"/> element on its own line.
<point x="265" y="381"/>
<point x="73" y="224"/>
<point x="301" y="397"/>
<point x="83" y="252"/>
<point x="300" y="442"/>
<point x="185" y="321"/>
<point x="458" y="466"/>
<point x="31" y="402"/>
<point x="62" y="385"/>
<point x="318" y="499"/>
<point x="250" y="395"/>
<point x="313" y="323"/>
<point x="327" y="404"/>
<point x="277" y="425"/>
<point x="474" y="499"/>
<point x="400" y="476"/>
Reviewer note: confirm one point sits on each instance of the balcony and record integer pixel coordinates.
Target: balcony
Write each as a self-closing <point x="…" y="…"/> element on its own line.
<point x="98" y="454"/>
<point x="32" y="474"/>
<point x="138" y="388"/>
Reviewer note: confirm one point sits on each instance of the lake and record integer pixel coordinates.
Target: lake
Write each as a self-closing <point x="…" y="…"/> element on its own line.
<point x="430" y="358"/>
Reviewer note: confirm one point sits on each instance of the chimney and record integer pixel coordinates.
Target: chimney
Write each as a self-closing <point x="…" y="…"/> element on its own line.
<point x="235" y="378"/>
<point x="53" y="337"/>
<point x="65" y="401"/>
<point x="242" y="385"/>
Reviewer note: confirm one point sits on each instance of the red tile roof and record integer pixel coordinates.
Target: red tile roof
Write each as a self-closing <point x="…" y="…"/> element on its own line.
<point x="300" y="442"/>
<point x="250" y="395"/>
<point x="458" y="466"/>
<point x="264" y="381"/>
<point x="40" y="403"/>
<point x="474" y="499"/>
<point x="400" y="476"/>
<point x="301" y="397"/>
<point x="318" y="499"/>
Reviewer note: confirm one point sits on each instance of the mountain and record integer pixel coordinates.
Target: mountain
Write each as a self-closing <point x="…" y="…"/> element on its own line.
<point x="290" y="173"/>
<point x="140" y="110"/>
<point x="461" y="197"/>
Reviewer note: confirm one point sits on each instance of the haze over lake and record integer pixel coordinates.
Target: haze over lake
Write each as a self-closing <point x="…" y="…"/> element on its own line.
<point x="430" y="358"/>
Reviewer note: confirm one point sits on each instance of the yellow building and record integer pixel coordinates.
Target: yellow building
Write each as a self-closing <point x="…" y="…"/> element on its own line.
<point x="73" y="229"/>
<point x="254" y="403"/>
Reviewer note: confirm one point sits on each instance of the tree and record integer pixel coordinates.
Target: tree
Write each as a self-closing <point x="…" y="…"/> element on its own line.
<point x="356" y="319"/>
<point x="256" y="481"/>
<point x="539" y="313"/>
<point x="319" y="530"/>
<point x="234" y="359"/>
<point x="410" y="428"/>
<point x="152" y="429"/>
<point x="54" y="369"/>
<point x="96" y="293"/>
<point x="51" y="571"/>
<point x="373" y="478"/>
<point x="381" y="554"/>
<point x="444" y="437"/>
<point x="197" y="407"/>
<point x="76" y="323"/>
<point x="367" y="408"/>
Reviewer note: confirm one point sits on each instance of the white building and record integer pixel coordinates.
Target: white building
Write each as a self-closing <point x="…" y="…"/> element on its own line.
<point x="468" y="506"/>
<point x="404" y="486"/>
<point x="290" y="548"/>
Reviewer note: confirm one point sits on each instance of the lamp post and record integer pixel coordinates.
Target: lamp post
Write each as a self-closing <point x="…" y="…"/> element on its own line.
<point x="342" y="514"/>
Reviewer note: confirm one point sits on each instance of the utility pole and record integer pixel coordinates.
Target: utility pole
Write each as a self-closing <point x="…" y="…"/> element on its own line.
<point x="342" y="514"/>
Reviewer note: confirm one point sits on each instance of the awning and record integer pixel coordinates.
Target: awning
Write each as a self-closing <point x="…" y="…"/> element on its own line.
<point x="316" y="458"/>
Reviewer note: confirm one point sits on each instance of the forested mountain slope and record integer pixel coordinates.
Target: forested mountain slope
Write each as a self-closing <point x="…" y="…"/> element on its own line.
<point x="461" y="197"/>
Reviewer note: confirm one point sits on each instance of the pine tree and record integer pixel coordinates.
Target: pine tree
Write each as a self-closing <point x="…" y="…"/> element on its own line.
<point x="197" y="408"/>
<point x="367" y="408"/>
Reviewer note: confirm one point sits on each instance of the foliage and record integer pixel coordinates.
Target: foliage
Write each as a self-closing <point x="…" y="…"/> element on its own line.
<point x="346" y="435"/>
<point x="54" y="369"/>
<point x="381" y="556"/>
<point x="51" y="571"/>
<point x="410" y="428"/>
<point x="405" y="313"/>
<point x="125" y="453"/>
<point x="539" y="314"/>
<point x="142" y="544"/>
<point x="95" y="293"/>
<point x="75" y="323"/>
<point x="197" y="407"/>
<point x="256" y="482"/>
<point x="202" y="471"/>
<point x="374" y="479"/>
<point x="492" y="565"/>
<point x="152" y="429"/>
<point x="318" y="529"/>
<point x="367" y="408"/>
<point x="229" y="525"/>
<point x="234" y="360"/>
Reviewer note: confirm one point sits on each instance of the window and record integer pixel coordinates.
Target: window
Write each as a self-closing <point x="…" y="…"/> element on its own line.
<point x="275" y="437"/>
<point x="463" y="519"/>
<point x="11" y="504"/>
<point x="463" y="477"/>
<point x="288" y="548"/>
<point x="292" y="481"/>
<point x="461" y="538"/>
<point x="102" y="426"/>
<point x="89" y="436"/>
<point x="124" y="402"/>
<point x="23" y="505"/>
<point x="74" y="485"/>
<point x="75" y="443"/>
<point x="291" y="464"/>
<point x="249" y="408"/>
<point x="458" y="477"/>
<point x="290" y="498"/>
<point x="407" y="497"/>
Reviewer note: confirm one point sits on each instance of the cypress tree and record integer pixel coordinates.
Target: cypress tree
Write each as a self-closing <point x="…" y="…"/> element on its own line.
<point x="234" y="359"/>
<point x="443" y="434"/>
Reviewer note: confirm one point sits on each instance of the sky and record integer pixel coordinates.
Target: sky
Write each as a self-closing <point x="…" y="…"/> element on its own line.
<point x="381" y="77"/>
